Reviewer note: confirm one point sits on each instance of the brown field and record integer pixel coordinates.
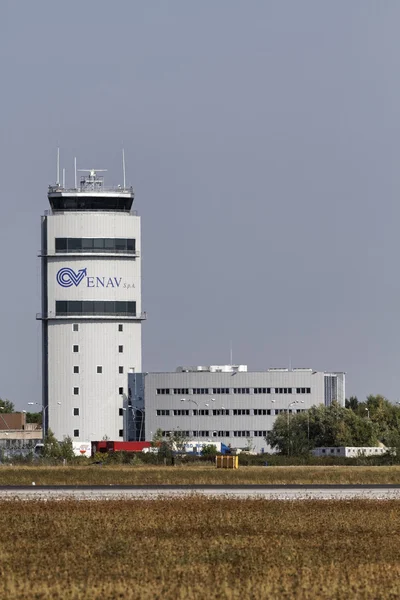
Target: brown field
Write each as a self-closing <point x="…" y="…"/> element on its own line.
<point x="198" y="474"/>
<point x="197" y="548"/>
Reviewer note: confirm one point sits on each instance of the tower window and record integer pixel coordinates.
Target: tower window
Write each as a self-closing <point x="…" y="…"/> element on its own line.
<point x="121" y="412"/>
<point x="75" y="348"/>
<point x="120" y="369"/>
<point x="120" y="390"/>
<point x="76" y="369"/>
<point x="76" y="412"/>
<point x="121" y="433"/>
<point x="120" y="349"/>
<point x="120" y="327"/>
<point x="99" y="369"/>
<point x="76" y="391"/>
<point x="76" y="432"/>
<point x="75" y="327"/>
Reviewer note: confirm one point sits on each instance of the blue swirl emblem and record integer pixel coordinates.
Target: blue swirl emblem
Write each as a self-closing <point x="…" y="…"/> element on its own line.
<point x="67" y="277"/>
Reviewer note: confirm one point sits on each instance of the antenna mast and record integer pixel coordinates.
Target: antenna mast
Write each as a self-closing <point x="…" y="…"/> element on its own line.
<point x="76" y="187"/>
<point x="58" y="167"/>
<point x="64" y="179"/>
<point x="123" y="167"/>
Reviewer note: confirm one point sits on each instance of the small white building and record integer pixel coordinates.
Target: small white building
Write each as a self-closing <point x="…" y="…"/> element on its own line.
<point x="350" y="451"/>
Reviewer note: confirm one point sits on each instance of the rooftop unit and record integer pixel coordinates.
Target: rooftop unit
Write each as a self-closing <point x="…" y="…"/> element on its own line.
<point x="213" y="369"/>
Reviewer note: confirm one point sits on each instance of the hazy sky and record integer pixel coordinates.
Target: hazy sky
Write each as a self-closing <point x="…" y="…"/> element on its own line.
<point x="262" y="139"/>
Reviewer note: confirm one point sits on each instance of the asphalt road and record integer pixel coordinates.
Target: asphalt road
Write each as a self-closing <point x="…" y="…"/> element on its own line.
<point x="271" y="492"/>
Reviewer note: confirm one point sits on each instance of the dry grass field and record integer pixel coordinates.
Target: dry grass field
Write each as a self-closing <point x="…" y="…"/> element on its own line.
<point x="198" y="548"/>
<point x="196" y="474"/>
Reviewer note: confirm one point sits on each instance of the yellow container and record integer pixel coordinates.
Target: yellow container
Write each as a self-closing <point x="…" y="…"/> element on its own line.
<point x="227" y="462"/>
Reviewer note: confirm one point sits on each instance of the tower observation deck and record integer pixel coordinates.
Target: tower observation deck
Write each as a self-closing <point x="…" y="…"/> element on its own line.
<point x="91" y="308"/>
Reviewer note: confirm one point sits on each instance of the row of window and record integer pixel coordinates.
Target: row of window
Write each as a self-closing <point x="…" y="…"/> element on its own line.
<point x="76" y="391"/>
<point x="225" y="434"/>
<point x="119" y="245"/>
<point x="99" y="369"/>
<point x="75" y="348"/>
<point x="76" y="412"/>
<point x="236" y="412"/>
<point x="95" y="307"/>
<point x="75" y="327"/>
<point x="182" y="391"/>
<point x="120" y="433"/>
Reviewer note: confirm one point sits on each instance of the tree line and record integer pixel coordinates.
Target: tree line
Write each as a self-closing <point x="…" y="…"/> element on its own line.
<point x="370" y="423"/>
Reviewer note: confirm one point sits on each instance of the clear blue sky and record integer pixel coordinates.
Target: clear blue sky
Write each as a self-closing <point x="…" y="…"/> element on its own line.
<point x="262" y="139"/>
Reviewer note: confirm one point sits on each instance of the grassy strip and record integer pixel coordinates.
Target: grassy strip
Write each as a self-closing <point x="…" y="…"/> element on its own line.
<point x="199" y="548"/>
<point x="128" y="475"/>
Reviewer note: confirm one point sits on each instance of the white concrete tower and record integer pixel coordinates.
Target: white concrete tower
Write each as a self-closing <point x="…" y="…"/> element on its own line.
<point x="91" y="308"/>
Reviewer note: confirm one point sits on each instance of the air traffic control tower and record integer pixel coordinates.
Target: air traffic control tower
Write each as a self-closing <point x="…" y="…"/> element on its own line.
<point x="91" y="308"/>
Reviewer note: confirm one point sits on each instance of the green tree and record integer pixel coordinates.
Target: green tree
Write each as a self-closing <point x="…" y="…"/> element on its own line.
<point x="334" y="425"/>
<point x="34" y="417"/>
<point x="352" y="403"/>
<point x="67" y="449"/>
<point x="7" y="406"/>
<point x="157" y="437"/>
<point x="209" y="450"/>
<point x="51" y="447"/>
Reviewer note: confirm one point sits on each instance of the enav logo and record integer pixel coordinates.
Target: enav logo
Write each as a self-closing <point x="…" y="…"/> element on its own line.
<point x="67" y="277"/>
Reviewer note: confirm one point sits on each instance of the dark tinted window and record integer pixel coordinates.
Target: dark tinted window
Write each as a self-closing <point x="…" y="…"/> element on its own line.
<point x="76" y="432"/>
<point x="76" y="412"/>
<point x="120" y="245"/>
<point x="61" y="244"/>
<point x="96" y="307"/>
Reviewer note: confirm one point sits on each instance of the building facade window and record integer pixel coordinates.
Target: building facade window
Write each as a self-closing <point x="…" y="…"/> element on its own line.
<point x="220" y="390"/>
<point x="75" y="327"/>
<point x="76" y="369"/>
<point x="120" y="349"/>
<point x="181" y="412"/>
<point x="76" y="432"/>
<point x="241" y="390"/>
<point x="76" y="412"/>
<point x="120" y="327"/>
<point x="120" y="390"/>
<point x="200" y="391"/>
<point x="95" y="307"/>
<point x="103" y="245"/>
<point x="163" y="391"/>
<point x="181" y="391"/>
<point x="120" y="370"/>
<point x="75" y="348"/>
<point x="163" y="412"/>
<point x="121" y="433"/>
<point x="76" y="391"/>
<point x="121" y="412"/>
<point x="99" y="369"/>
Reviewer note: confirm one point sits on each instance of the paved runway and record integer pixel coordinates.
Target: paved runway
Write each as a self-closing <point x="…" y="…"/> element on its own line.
<point x="271" y="492"/>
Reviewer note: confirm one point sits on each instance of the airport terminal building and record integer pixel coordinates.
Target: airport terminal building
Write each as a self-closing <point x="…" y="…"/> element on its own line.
<point x="224" y="403"/>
